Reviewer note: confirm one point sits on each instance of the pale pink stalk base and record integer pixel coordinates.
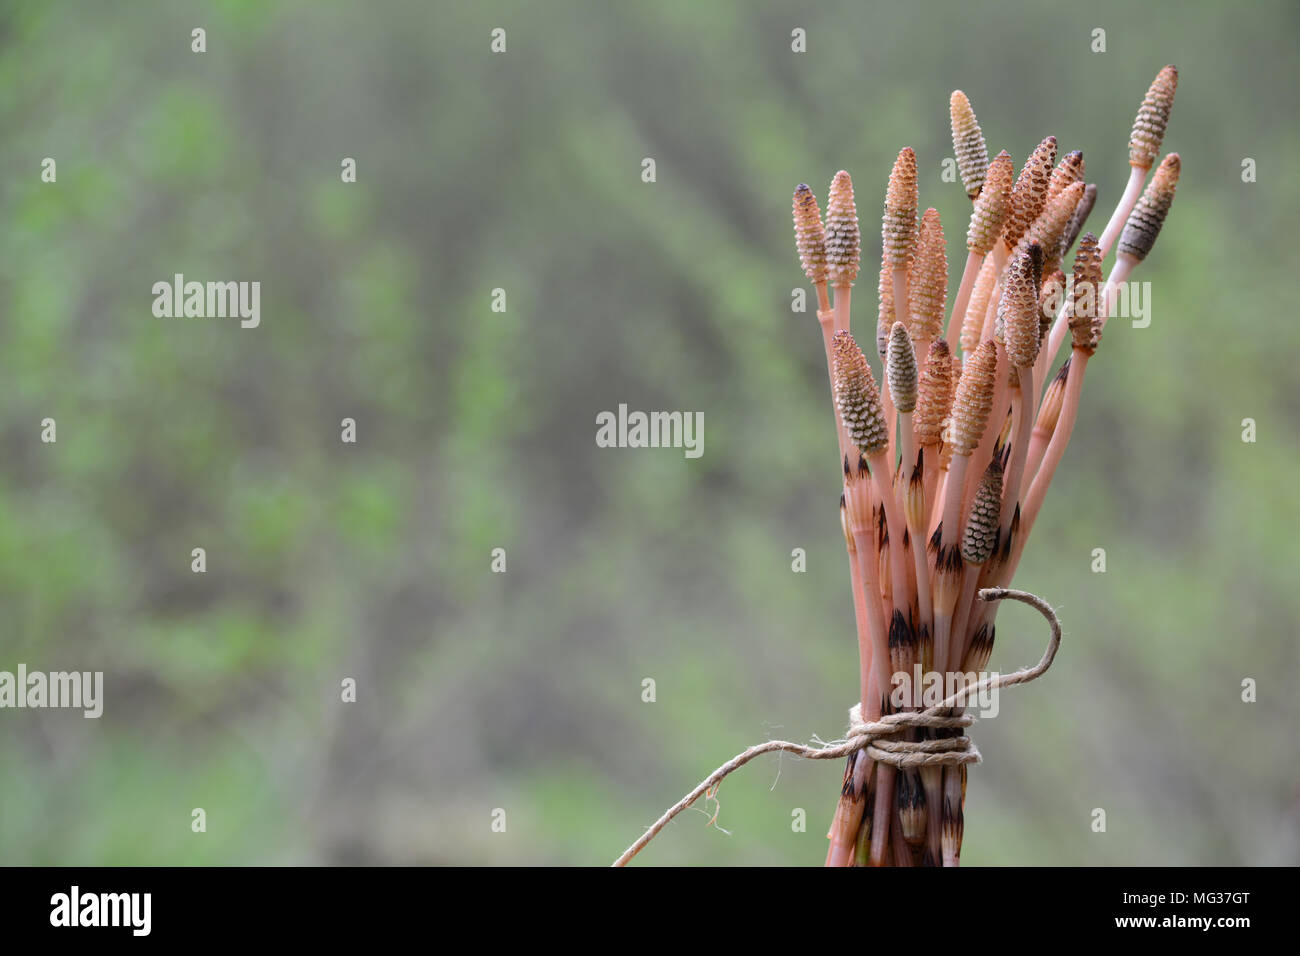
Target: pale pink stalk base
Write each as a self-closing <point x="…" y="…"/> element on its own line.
<point x="1137" y="176"/>
<point x="950" y="534"/>
<point x="938" y="500"/>
<point x="1057" y="333"/>
<point x="1020" y="448"/>
<point x="1037" y="445"/>
<point x="973" y="264"/>
<point x="885" y="776"/>
<point x="920" y="565"/>
<point x="848" y="818"/>
<point x="843" y="306"/>
<point x="961" y="623"/>
<point x="1056" y="447"/>
<point x="848" y="815"/>
<point x="1046" y="353"/>
<point x="952" y="502"/>
<point x="866" y="650"/>
<point x="902" y="308"/>
<point x="875" y="625"/>
<point x="887" y="410"/>
<point x="1001" y="252"/>
<point x="826" y="320"/>
<point x="1119" y="273"/>
<point x="871" y="708"/>
<point x="880" y="474"/>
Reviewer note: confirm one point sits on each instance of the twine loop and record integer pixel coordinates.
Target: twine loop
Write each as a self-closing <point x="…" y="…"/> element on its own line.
<point x="877" y="737"/>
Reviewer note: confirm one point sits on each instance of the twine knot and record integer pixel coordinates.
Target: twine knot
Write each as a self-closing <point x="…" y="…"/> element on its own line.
<point x="879" y="738"/>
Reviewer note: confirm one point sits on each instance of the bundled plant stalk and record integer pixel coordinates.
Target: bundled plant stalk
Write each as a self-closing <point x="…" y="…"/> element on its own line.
<point x="945" y="469"/>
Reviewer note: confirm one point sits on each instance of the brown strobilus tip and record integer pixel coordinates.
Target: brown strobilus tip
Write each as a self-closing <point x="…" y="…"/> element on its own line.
<point x="1153" y="119"/>
<point x="933" y="395"/>
<point x="898" y="225"/>
<point x="928" y="282"/>
<point x="1077" y="221"/>
<point x="1029" y="194"/>
<point x="1149" y="214"/>
<point x="1085" y="296"/>
<point x="973" y="400"/>
<point x="1067" y="172"/>
<point x="809" y="234"/>
<point x="843" y="241"/>
<point x="857" y="396"/>
<point x="1017" y="318"/>
<point x="967" y="143"/>
<point x="992" y="206"/>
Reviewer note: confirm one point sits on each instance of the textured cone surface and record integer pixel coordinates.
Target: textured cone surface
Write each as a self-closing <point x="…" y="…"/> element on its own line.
<point x="1029" y="194"/>
<point x="1085" y="296"/>
<point x="972" y="326"/>
<point x="973" y="400"/>
<point x="809" y="234"/>
<point x="1152" y="119"/>
<point x="1080" y="216"/>
<point x="898" y="225"/>
<point x="934" y="395"/>
<point x="1149" y="214"/>
<point x="1018" y="307"/>
<point x="843" y="240"/>
<point x="968" y="143"/>
<point x="1050" y="227"/>
<point x="989" y="216"/>
<point x="857" y="396"/>
<point x="902" y="369"/>
<point x="928" y="281"/>
<point x="982" y="525"/>
<point x="1068" y="172"/>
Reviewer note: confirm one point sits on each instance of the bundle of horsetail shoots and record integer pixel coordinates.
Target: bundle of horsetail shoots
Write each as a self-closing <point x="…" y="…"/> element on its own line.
<point x="945" y="467"/>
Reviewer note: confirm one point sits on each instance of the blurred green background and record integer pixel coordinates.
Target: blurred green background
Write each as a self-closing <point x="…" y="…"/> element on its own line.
<point x="522" y="171"/>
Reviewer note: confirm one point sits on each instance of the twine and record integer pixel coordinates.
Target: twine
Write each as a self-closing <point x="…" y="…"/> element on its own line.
<point x="877" y="737"/>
